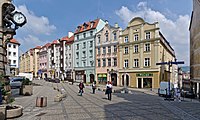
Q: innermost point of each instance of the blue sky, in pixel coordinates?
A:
(52, 19)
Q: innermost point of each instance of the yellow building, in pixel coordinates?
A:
(29, 61)
(141, 46)
(195, 47)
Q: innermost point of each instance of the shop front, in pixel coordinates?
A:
(144, 80)
(80, 76)
(102, 78)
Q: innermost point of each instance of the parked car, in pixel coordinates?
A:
(164, 88)
(16, 82)
(187, 94)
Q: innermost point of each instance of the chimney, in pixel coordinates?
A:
(116, 25)
(106, 21)
(70, 34)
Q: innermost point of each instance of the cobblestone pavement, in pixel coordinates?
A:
(135, 106)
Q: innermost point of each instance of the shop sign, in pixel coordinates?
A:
(144, 74)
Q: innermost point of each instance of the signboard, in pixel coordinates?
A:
(144, 74)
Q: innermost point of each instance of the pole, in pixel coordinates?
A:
(169, 81)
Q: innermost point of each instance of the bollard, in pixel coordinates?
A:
(41, 101)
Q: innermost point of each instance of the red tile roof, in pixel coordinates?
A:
(14, 41)
(37, 47)
(55, 42)
(46, 45)
(87, 26)
(70, 40)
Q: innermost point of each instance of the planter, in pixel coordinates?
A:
(26, 90)
(13, 111)
(2, 112)
(57, 98)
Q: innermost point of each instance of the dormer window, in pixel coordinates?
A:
(85, 26)
(79, 28)
(91, 24)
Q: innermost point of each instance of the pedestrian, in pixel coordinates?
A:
(109, 90)
(93, 87)
(179, 94)
(81, 86)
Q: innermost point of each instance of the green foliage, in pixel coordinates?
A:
(26, 81)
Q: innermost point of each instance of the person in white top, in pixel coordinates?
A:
(109, 90)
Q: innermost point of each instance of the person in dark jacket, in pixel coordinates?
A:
(93, 87)
(109, 90)
(81, 86)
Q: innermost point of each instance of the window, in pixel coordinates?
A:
(109, 49)
(126, 39)
(14, 46)
(136, 49)
(91, 43)
(91, 53)
(147, 47)
(109, 62)
(77, 55)
(9, 61)
(99, 51)
(77, 64)
(125, 63)
(77, 46)
(104, 62)
(70, 64)
(84, 35)
(99, 39)
(147, 62)
(115, 36)
(115, 61)
(14, 53)
(126, 50)
(99, 63)
(77, 37)
(83, 63)
(148, 35)
(9, 45)
(136, 37)
(84, 55)
(91, 63)
(104, 50)
(91, 33)
(84, 45)
(106, 37)
(69, 56)
(9, 53)
(115, 48)
(14, 61)
(136, 63)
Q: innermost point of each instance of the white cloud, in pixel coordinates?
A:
(30, 41)
(175, 31)
(36, 24)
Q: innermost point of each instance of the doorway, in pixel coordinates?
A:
(91, 78)
(139, 83)
(114, 79)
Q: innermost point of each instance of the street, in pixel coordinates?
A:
(135, 106)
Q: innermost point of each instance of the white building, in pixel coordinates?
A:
(13, 56)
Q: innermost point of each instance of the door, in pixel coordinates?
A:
(139, 83)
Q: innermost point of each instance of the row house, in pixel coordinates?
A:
(13, 56)
(54, 57)
(84, 50)
(43, 60)
(195, 48)
(66, 57)
(107, 41)
(142, 46)
(29, 61)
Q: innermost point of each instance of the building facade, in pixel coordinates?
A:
(84, 50)
(13, 56)
(142, 46)
(107, 41)
(195, 47)
(43, 60)
(55, 59)
(67, 56)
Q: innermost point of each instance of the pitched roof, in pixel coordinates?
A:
(55, 42)
(70, 40)
(46, 45)
(14, 41)
(37, 47)
(87, 26)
